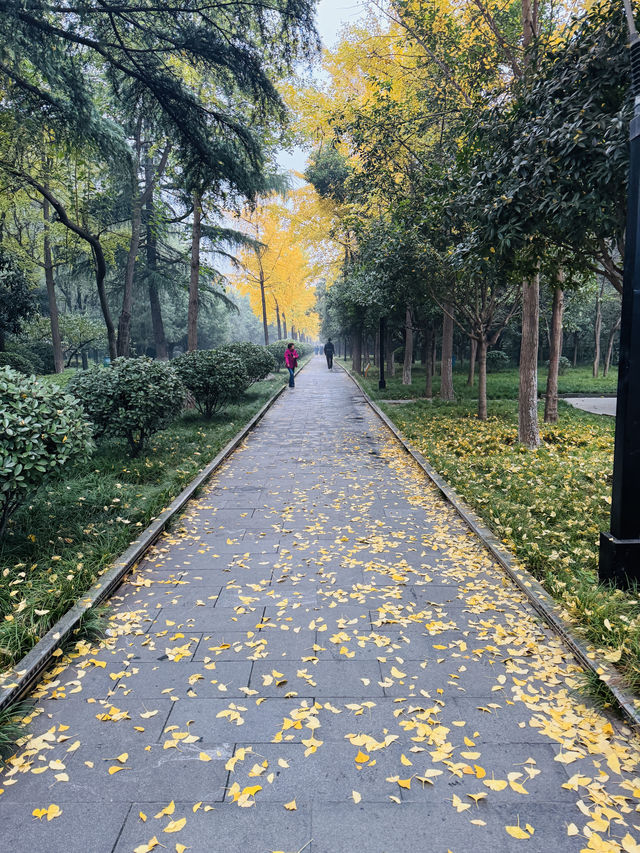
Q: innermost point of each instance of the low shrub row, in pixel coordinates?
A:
(45, 428)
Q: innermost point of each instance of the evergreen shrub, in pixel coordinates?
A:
(214, 377)
(42, 430)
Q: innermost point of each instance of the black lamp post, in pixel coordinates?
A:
(620, 549)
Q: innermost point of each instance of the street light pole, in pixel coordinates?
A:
(383, 333)
(620, 549)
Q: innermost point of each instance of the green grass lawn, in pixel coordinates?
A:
(548, 506)
(73, 529)
(502, 385)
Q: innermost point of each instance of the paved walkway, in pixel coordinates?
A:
(321, 658)
(595, 405)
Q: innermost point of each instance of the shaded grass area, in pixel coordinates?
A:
(73, 529)
(502, 385)
(548, 506)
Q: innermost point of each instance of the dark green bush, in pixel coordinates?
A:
(17, 361)
(257, 360)
(42, 431)
(215, 378)
(497, 361)
(132, 398)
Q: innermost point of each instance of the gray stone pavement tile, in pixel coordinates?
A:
(223, 645)
(77, 829)
(208, 618)
(116, 723)
(225, 829)
(260, 723)
(170, 678)
(329, 774)
(389, 828)
(148, 775)
(325, 678)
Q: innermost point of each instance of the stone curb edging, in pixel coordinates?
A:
(538, 597)
(18, 681)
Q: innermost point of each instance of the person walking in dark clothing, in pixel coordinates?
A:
(329, 350)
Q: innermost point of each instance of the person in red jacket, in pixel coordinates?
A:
(291, 360)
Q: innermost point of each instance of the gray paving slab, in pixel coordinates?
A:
(325, 606)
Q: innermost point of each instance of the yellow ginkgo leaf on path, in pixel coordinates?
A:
(175, 825)
(495, 784)
(572, 829)
(148, 847)
(629, 845)
(458, 805)
(405, 783)
(147, 714)
(113, 770)
(361, 757)
(196, 806)
(356, 796)
(282, 762)
(291, 807)
(396, 673)
(167, 810)
(142, 816)
(517, 832)
(204, 757)
(477, 797)
(180, 848)
(404, 760)
(478, 822)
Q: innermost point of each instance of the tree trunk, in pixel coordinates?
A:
(51, 289)
(408, 347)
(610, 342)
(472, 362)
(575, 349)
(376, 349)
(124, 323)
(555, 351)
(265, 325)
(481, 346)
(597, 329)
(528, 433)
(284, 326)
(356, 351)
(152, 271)
(194, 277)
(446, 367)
(278, 319)
(428, 364)
(391, 362)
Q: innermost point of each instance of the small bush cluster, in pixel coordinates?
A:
(257, 361)
(132, 398)
(42, 431)
(215, 378)
(18, 362)
(497, 361)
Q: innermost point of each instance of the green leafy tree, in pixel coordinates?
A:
(17, 298)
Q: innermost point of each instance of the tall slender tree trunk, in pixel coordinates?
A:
(194, 277)
(597, 330)
(555, 351)
(157, 323)
(408, 347)
(263, 299)
(284, 326)
(472, 362)
(575, 349)
(356, 350)
(124, 323)
(610, 342)
(482, 376)
(528, 432)
(51, 289)
(278, 319)
(376, 349)
(428, 363)
(446, 367)
(391, 362)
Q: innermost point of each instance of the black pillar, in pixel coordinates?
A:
(383, 333)
(620, 549)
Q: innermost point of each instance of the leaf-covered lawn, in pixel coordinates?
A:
(548, 506)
